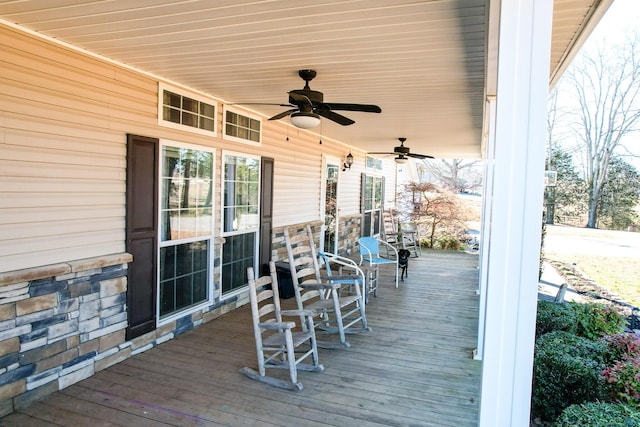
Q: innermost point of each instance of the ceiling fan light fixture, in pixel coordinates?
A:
(401, 160)
(305, 120)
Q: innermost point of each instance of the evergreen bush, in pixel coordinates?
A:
(567, 369)
(597, 414)
(595, 321)
(589, 320)
(449, 243)
(555, 317)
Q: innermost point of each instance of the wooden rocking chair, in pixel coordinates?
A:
(276, 341)
(319, 293)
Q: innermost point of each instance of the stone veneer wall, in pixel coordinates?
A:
(349, 233)
(278, 246)
(61, 323)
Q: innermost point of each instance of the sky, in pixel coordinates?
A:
(621, 16)
(621, 13)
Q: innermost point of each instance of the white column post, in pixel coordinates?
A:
(516, 211)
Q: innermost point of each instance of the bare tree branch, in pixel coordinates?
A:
(605, 85)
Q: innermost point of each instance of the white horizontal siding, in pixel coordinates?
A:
(64, 119)
(62, 156)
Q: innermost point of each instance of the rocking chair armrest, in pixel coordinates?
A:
(319, 286)
(277, 325)
(345, 277)
(298, 313)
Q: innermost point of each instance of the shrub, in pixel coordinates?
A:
(449, 243)
(589, 320)
(566, 370)
(555, 317)
(595, 414)
(623, 381)
(597, 320)
(622, 374)
(622, 346)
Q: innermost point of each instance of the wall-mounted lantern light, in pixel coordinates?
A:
(348, 161)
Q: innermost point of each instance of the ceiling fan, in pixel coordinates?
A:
(403, 153)
(308, 105)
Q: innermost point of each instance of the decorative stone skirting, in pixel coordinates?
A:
(349, 231)
(348, 235)
(278, 247)
(59, 324)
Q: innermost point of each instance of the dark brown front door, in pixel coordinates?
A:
(142, 233)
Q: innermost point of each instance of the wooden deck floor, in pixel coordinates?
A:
(414, 369)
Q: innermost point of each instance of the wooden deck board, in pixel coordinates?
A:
(413, 368)
(54, 415)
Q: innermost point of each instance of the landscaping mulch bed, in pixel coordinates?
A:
(589, 289)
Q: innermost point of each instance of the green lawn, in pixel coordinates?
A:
(618, 273)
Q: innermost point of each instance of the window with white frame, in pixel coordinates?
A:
(186, 229)
(240, 218)
(186, 111)
(241, 127)
(371, 203)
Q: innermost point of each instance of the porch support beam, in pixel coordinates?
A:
(515, 212)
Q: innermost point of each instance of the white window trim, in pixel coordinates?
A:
(329, 160)
(165, 123)
(226, 108)
(222, 296)
(377, 166)
(210, 285)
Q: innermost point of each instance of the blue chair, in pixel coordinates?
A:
(370, 253)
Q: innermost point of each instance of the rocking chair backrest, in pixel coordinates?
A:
(280, 345)
(315, 292)
(302, 255)
(263, 289)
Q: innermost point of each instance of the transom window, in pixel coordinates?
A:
(373, 163)
(186, 111)
(186, 229)
(241, 128)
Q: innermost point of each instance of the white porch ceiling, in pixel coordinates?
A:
(423, 62)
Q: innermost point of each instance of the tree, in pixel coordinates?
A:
(438, 211)
(620, 196)
(605, 85)
(568, 197)
(455, 175)
(570, 192)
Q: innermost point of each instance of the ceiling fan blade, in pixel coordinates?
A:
(338, 118)
(262, 103)
(366, 108)
(382, 153)
(419, 156)
(283, 114)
